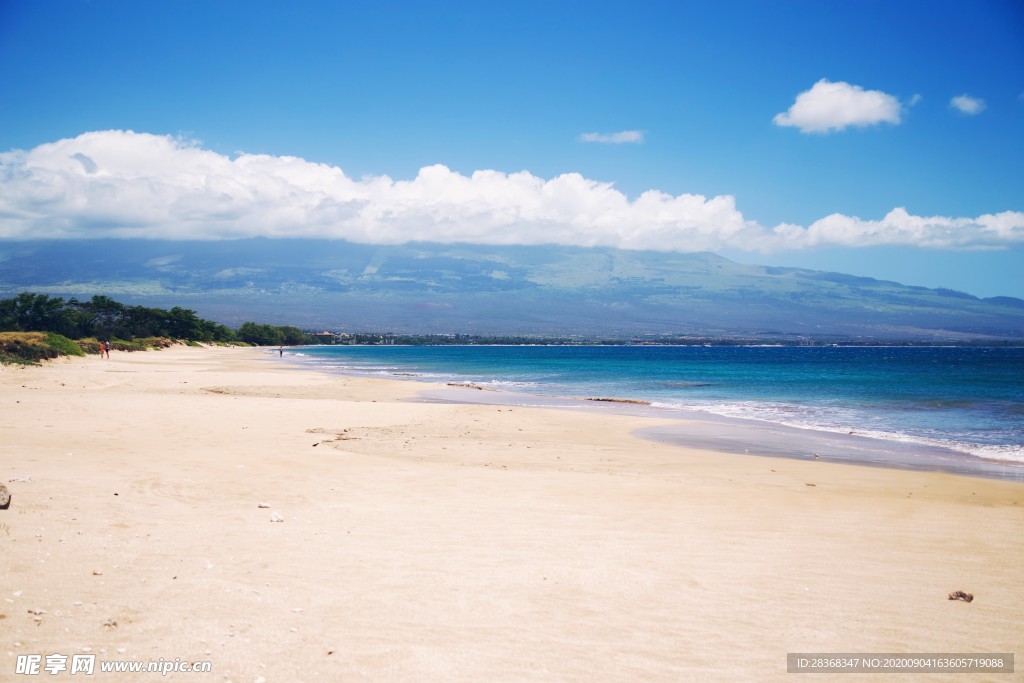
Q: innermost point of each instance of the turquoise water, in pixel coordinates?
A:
(966, 401)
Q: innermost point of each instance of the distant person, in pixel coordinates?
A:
(106, 348)
(280, 351)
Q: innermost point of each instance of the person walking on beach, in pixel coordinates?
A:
(280, 351)
(105, 347)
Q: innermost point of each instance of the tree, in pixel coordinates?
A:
(272, 335)
(260, 335)
(293, 336)
(30, 312)
(106, 317)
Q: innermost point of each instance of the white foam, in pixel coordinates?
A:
(839, 421)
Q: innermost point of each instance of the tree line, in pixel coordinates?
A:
(103, 318)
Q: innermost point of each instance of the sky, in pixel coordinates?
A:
(878, 138)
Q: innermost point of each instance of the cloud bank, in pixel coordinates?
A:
(121, 184)
(829, 106)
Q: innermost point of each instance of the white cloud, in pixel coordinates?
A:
(149, 186)
(631, 136)
(900, 228)
(829, 106)
(966, 104)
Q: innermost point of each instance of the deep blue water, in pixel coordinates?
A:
(969, 400)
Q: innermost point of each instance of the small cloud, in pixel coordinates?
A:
(623, 136)
(965, 104)
(829, 106)
(162, 262)
(233, 273)
(915, 99)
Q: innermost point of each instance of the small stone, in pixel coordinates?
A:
(5, 497)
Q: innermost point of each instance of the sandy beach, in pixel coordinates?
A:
(456, 542)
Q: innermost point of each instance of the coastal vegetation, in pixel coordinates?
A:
(27, 348)
(35, 327)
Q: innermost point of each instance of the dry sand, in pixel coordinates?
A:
(426, 542)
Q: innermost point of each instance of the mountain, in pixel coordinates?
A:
(438, 288)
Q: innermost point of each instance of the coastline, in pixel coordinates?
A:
(739, 436)
(459, 541)
(706, 429)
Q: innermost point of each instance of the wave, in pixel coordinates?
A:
(839, 421)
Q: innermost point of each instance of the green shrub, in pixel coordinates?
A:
(9, 359)
(22, 347)
(62, 345)
(89, 345)
(33, 347)
(156, 342)
(122, 345)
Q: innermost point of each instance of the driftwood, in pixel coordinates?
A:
(620, 400)
(960, 595)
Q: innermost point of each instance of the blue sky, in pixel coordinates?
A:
(827, 135)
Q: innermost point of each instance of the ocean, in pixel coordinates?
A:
(957, 409)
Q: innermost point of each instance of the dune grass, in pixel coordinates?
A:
(30, 348)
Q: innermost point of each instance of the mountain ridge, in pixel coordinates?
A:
(428, 288)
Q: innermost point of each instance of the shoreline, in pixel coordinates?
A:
(745, 436)
(458, 541)
(707, 430)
